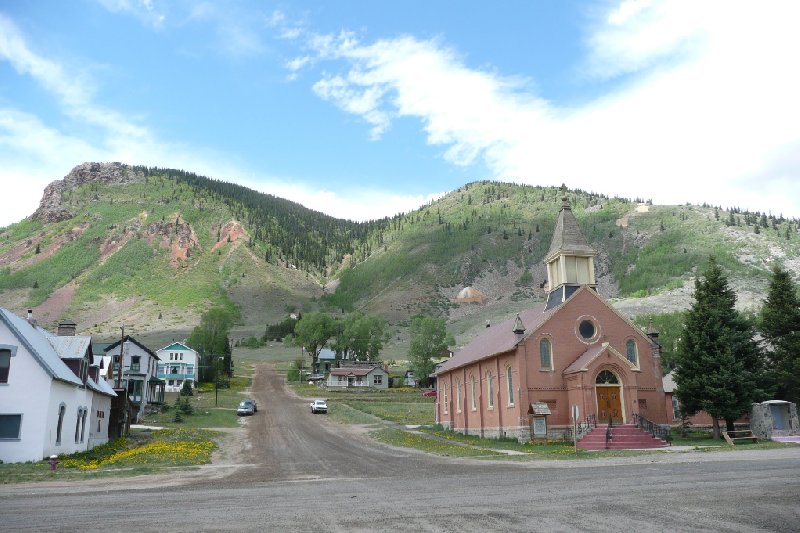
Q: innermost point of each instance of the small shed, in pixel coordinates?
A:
(775, 420)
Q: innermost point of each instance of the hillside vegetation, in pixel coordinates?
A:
(153, 248)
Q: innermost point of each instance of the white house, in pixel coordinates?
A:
(177, 363)
(373, 377)
(139, 369)
(46, 402)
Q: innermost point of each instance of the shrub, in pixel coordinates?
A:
(186, 390)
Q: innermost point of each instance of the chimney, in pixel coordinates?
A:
(519, 328)
(30, 317)
(66, 328)
(488, 325)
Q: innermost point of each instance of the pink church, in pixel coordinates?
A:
(575, 349)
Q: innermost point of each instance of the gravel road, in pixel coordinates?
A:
(300, 472)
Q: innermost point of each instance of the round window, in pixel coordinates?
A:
(586, 329)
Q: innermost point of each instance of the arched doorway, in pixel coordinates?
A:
(608, 391)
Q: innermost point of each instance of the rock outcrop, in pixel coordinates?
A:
(52, 209)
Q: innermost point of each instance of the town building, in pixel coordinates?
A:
(354, 375)
(53, 400)
(572, 352)
(138, 374)
(177, 363)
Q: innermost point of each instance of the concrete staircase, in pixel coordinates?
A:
(623, 437)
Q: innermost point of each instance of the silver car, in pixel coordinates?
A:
(319, 406)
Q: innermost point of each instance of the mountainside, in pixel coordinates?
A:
(152, 248)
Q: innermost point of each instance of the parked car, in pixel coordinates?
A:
(319, 406)
(429, 393)
(246, 408)
(255, 406)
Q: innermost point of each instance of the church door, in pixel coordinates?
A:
(609, 401)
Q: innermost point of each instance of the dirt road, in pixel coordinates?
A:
(303, 473)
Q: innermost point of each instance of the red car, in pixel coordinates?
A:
(429, 393)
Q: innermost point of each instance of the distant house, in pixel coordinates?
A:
(52, 399)
(139, 371)
(409, 380)
(326, 360)
(177, 363)
(371, 377)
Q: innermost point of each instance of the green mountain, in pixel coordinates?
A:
(152, 248)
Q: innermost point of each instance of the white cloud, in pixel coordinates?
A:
(709, 110)
(359, 204)
(144, 10)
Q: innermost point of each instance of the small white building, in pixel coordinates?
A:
(46, 402)
(372, 377)
(177, 363)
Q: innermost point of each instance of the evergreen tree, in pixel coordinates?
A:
(779, 323)
(719, 366)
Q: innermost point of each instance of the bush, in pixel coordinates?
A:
(185, 407)
(186, 390)
(178, 416)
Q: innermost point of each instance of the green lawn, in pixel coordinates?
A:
(398, 412)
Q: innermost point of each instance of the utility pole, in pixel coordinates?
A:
(121, 359)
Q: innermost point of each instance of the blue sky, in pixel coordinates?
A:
(362, 109)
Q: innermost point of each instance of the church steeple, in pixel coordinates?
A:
(570, 261)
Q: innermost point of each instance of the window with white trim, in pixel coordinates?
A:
(78, 425)
(458, 395)
(377, 379)
(473, 395)
(83, 423)
(5, 365)
(10, 426)
(61, 410)
(490, 390)
(510, 385)
(631, 352)
(545, 354)
(444, 396)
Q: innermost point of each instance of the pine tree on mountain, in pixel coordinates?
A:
(719, 366)
(779, 323)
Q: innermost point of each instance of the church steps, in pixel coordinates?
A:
(623, 437)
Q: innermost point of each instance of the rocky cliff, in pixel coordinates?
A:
(51, 208)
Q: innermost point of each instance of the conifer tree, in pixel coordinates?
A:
(719, 366)
(779, 323)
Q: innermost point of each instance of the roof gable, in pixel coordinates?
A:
(128, 338)
(581, 364)
(176, 346)
(36, 342)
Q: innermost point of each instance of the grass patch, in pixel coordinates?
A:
(344, 414)
(138, 453)
(397, 437)
(398, 412)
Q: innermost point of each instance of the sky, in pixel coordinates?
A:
(363, 109)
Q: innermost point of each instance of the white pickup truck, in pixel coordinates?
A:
(319, 406)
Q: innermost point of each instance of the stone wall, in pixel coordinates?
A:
(762, 422)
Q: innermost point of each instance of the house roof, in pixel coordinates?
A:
(36, 341)
(497, 339)
(326, 354)
(71, 347)
(101, 386)
(176, 346)
(354, 370)
(567, 236)
(128, 338)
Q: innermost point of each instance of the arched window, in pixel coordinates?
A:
(61, 410)
(606, 377)
(444, 396)
(83, 423)
(78, 425)
(510, 385)
(632, 353)
(458, 395)
(490, 389)
(474, 404)
(545, 354)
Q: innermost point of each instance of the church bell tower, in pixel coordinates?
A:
(570, 260)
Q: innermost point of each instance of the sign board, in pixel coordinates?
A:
(539, 427)
(539, 408)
